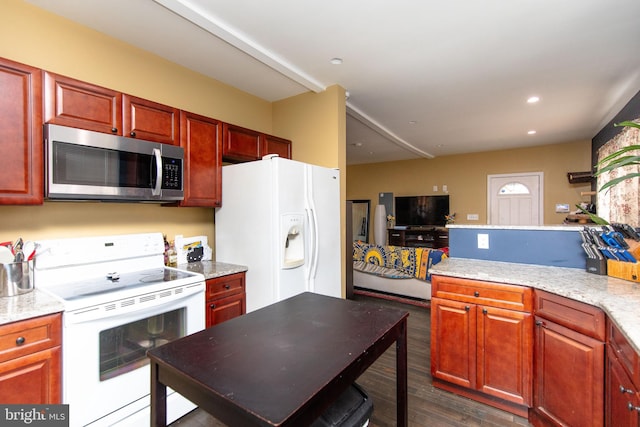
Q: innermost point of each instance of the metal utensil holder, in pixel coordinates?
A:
(16, 278)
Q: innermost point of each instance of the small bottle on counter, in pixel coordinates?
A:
(166, 250)
(172, 255)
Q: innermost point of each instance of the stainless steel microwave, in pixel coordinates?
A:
(86, 165)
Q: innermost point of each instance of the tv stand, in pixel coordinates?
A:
(419, 237)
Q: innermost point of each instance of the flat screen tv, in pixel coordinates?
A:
(421, 211)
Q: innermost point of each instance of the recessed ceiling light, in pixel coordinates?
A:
(336, 61)
(532, 132)
(533, 99)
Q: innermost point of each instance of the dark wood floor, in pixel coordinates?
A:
(428, 406)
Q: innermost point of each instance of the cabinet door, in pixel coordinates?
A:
(21, 167)
(623, 403)
(505, 343)
(200, 138)
(33, 379)
(224, 309)
(275, 145)
(150, 121)
(569, 376)
(70, 102)
(396, 237)
(240, 144)
(453, 342)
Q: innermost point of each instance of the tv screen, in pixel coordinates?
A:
(420, 211)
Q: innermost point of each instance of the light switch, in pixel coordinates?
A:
(445, 188)
(435, 188)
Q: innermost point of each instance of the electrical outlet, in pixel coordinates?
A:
(483, 241)
(435, 188)
(445, 188)
(472, 217)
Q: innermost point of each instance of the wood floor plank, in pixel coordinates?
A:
(428, 406)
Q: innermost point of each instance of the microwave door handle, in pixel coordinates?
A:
(155, 191)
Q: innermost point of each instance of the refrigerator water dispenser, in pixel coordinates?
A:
(292, 240)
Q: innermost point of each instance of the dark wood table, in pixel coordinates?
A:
(282, 365)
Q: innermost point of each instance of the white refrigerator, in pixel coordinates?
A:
(281, 219)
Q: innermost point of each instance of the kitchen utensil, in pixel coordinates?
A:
(29, 250)
(6, 256)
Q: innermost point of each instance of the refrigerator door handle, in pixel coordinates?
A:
(313, 246)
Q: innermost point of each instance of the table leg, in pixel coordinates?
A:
(401, 377)
(158, 398)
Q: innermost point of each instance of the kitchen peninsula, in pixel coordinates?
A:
(516, 335)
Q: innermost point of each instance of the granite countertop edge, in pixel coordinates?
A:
(213, 269)
(619, 299)
(39, 303)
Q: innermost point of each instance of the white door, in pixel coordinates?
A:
(515, 199)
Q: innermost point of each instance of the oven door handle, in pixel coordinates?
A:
(157, 189)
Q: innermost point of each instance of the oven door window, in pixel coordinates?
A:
(124, 348)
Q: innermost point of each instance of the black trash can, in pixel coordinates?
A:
(352, 409)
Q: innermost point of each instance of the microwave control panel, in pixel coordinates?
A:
(172, 174)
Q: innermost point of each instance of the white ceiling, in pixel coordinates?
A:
(425, 78)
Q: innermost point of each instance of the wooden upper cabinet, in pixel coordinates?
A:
(150, 121)
(70, 102)
(201, 140)
(240, 144)
(275, 145)
(21, 167)
(74, 103)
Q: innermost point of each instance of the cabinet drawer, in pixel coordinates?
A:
(492, 294)
(28, 336)
(626, 354)
(580, 317)
(225, 286)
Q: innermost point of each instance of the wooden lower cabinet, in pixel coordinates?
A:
(622, 396)
(623, 381)
(479, 350)
(30, 361)
(225, 298)
(568, 363)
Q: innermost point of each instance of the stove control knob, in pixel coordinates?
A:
(113, 276)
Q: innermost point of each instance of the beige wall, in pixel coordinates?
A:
(33, 36)
(466, 178)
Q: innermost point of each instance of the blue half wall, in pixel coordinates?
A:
(547, 245)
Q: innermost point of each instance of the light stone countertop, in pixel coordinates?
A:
(212, 269)
(39, 303)
(619, 299)
(33, 304)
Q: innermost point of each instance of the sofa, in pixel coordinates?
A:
(394, 270)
